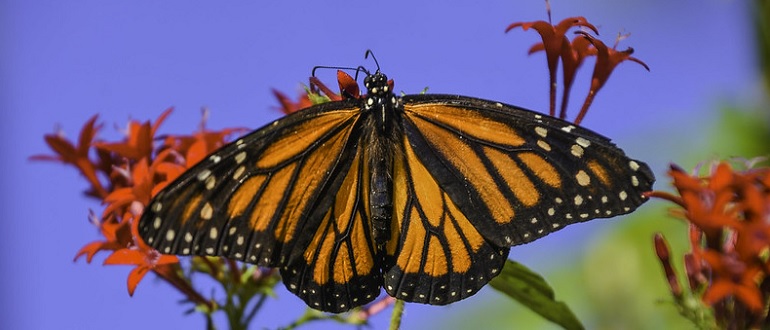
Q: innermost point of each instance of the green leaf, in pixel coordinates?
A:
(531, 290)
(316, 98)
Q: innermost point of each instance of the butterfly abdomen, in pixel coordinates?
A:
(381, 202)
(382, 130)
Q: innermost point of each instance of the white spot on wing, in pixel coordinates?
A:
(211, 182)
(582, 178)
(240, 157)
(207, 211)
(239, 172)
(577, 150)
(544, 145)
(203, 175)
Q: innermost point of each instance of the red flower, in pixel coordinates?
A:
(134, 177)
(144, 262)
(705, 202)
(728, 212)
(318, 93)
(141, 256)
(349, 86)
(139, 139)
(572, 57)
(77, 156)
(732, 277)
(555, 44)
(288, 106)
(117, 234)
(606, 61)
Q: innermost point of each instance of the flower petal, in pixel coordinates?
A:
(135, 277)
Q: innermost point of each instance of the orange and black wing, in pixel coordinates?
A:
(288, 195)
(481, 176)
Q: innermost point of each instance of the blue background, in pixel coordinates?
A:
(63, 61)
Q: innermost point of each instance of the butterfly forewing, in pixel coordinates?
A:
(244, 201)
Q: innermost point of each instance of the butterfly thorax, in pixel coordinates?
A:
(382, 130)
(379, 100)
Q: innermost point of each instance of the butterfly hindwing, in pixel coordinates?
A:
(339, 267)
(435, 254)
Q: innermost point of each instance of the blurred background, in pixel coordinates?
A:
(63, 61)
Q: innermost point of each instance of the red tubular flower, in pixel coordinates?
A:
(606, 61)
(664, 255)
(348, 89)
(139, 139)
(729, 212)
(732, 277)
(144, 260)
(137, 168)
(117, 234)
(140, 190)
(288, 106)
(573, 56)
(77, 156)
(555, 44)
(319, 93)
(348, 86)
(705, 203)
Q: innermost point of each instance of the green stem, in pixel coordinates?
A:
(255, 309)
(398, 311)
(210, 322)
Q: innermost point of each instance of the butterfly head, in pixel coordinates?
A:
(377, 84)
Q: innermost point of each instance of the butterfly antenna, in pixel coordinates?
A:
(370, 52)
(312, 73)
(361, 68)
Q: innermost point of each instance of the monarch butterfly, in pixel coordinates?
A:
(420, 194)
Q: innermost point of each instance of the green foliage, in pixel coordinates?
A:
(741, 132)
(531, 290)
(762, 24)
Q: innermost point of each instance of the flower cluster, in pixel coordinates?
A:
(728, 212)
(572, 55)
(125, 175)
